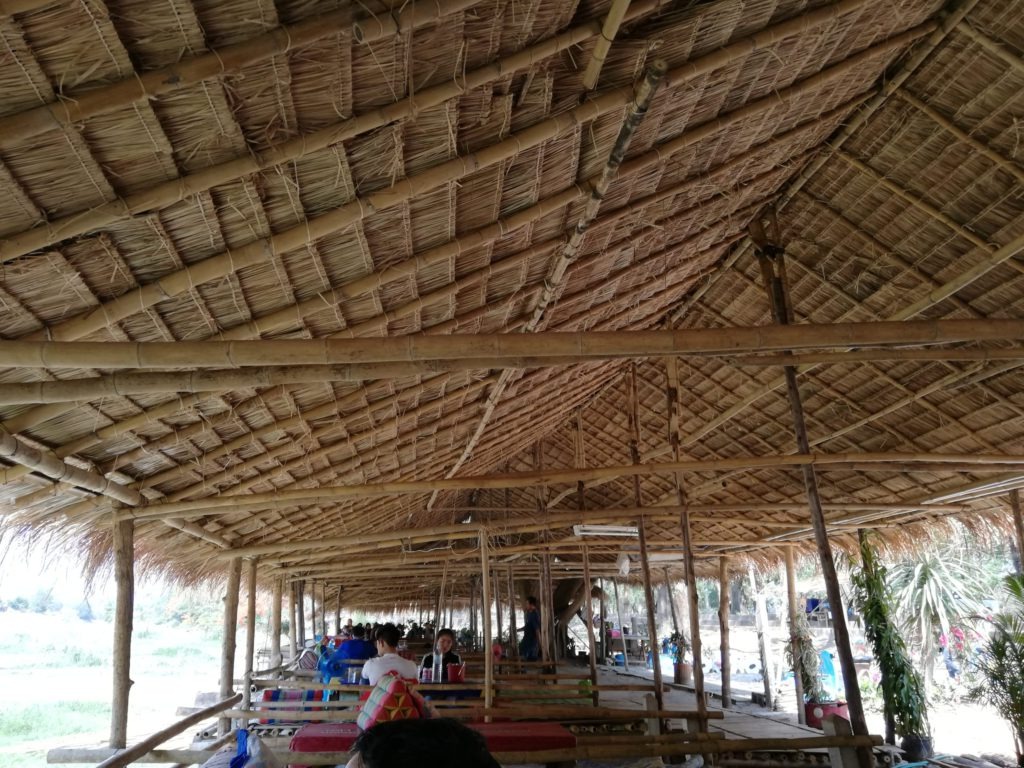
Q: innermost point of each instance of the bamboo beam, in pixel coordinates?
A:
(1009, 58)
(1003, 163)
(124, 578)
(723, 628)
(285, 498)
(45, 463)
(771, 259)
(612, 21)
(379, 26)
(581, 346)
(852, 357)
(125, 384)
(227, 656)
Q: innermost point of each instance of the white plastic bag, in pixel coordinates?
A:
(260, 755)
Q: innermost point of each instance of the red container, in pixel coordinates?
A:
(456, 673)
(817, 711)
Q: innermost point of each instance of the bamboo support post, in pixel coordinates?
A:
(250, 634)
(275, 623)
(547, 622)
(763, 641)
(300, 601)
(589, 615)
(723, 625)
(337, 614)
(772, 262)
(622, 632)
(675, 430)
(794, 638)
(45, 463)
(498, 612)
(293, 621)
(1018, 525)
(611, 28)
(604, 622)
(124, 577)
(485, 572)
(513, 632)
(227, 656)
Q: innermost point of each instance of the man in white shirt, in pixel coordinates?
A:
(387, 659)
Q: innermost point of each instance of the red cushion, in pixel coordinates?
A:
(525, 737)
(501, 737)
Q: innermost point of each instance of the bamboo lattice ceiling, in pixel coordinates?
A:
(187, 171)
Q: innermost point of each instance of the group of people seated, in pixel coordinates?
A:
(376, 657)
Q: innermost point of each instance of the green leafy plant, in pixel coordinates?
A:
(903, 695)
(1001, 662)
(808, 661)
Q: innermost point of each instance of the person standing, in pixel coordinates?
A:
(529, 646)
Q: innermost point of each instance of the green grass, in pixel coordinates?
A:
(41, 721)
(175, 651)
(24, 759)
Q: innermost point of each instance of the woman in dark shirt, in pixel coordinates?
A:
(444, 645)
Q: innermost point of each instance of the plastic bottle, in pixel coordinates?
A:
(437, 667)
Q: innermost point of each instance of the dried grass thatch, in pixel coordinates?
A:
(246, 170)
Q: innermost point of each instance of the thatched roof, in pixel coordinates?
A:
(244, 169)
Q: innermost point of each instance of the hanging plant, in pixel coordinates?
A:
(809, 661)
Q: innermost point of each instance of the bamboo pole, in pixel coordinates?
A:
(723, 624)
(597, 57)
(547, 623)
(675, 430)
(604, 623)
(128, 756)
(1018, 525)
(275, 623)
(227, 656)
(577, 346)
(498, 613)
(300, 593)
(591, 642)
(772, 262)
(485, 572)
(513, 632)
(794, 638)
(622, 632)
(645, 565)
(763, 642)
(984, 41)
(124, 578)
(951, 354)
(49, 465)
(250, 634)
(293, 621)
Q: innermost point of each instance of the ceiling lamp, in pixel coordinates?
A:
(627, 531)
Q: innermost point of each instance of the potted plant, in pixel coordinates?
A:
(1001, 662)
(818, 703)
(903, 694)
(682, 669)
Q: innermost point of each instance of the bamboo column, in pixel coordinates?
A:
(1018, 524)
(645, 566)
(124, 576)
(496, 596)
(250, 634)
(337, 614)
(590, 623)
(604, 633)
(275, 624)
(227, 656)
(513, 632)
(794, 639)
(485, 571)
(772, 261)
(672, 394)
(323, 608)
(763, 642)
(723, 627)
(300, 603)
(547, 623)
(439, 613)
(622, 634)
(672, 604)
(292, 624)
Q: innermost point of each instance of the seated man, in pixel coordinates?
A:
(445, 643)
(352, 654)
(388, 660)
(403, 743)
